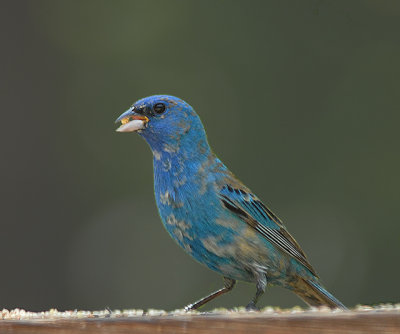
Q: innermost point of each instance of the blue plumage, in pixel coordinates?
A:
(210, 213)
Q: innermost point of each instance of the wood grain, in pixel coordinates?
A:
(229, 323)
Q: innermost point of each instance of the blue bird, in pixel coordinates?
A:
(211, 214)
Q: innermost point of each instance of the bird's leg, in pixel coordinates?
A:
(228, 286)
(261, 285)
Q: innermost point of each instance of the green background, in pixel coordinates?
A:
(299, 98)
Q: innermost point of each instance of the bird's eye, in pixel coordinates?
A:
(159, 108)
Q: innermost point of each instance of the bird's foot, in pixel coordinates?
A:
(252, 307)
(189, 307)
(110, 312)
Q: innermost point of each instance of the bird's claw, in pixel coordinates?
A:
(188, 308)
(252, 307)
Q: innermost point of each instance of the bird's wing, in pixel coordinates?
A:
(248, 207)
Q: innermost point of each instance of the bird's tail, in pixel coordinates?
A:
(316, 295)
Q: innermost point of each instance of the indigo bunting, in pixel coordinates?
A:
(211, 214)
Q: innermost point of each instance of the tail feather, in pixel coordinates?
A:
(315, 295)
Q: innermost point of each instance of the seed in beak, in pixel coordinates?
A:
(125, 120)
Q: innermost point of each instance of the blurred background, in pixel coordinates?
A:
(299, 98)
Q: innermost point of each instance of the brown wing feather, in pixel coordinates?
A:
(279, 236)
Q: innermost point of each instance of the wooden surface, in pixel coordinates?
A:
(308, 322)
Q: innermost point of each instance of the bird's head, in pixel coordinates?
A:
(166, 122)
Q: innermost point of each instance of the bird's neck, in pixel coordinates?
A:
(177, 164)
(186, 145)
(180, 157)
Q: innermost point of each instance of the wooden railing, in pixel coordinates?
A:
(383, 319)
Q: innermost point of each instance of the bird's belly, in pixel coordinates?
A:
(235, 251)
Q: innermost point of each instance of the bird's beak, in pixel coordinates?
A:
(131, 121)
